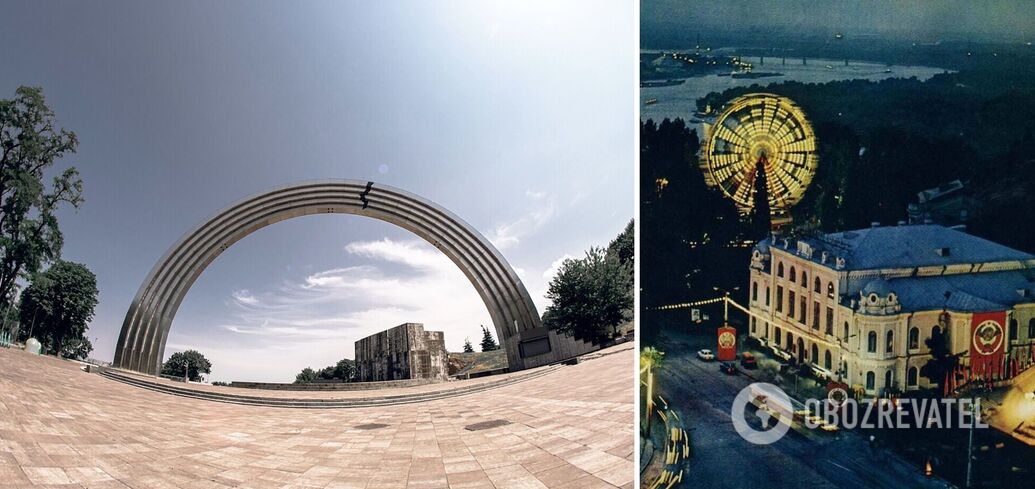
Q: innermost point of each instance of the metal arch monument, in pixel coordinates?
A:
(141, 345)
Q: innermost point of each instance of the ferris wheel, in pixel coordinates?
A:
(767, 130)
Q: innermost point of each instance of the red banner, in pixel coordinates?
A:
(987, 344)
(727, 343)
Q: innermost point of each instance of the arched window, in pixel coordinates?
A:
(1012, 333)
(817, 286)
(804, 279)
(845, 336)
(826, 359)
(830, 290)
(1031, 328)
(794, 275)
(871, 380)
(889, 342)
(754, 291)
(912, 376)
(815, 354)
(889, 380)
(914, 338)
(871, 342)
(779, 269)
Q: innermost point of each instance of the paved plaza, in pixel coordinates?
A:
(570, 428)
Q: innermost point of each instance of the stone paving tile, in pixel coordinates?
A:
(60, 427)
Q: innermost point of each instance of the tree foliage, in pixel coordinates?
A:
(57, 307)
(191, 361)
(590, 297)
(306, 376)
(624, 246)
(30, 143)
(468, 348)
(344, 370)
(488, 342)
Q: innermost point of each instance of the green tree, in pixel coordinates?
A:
(58, 304)
(590, 297)
(30, 144)
(467, 346)
(488, 342)
(345, 370)
(191, 361)
(651, 357)
(306, 376)
(624, 246)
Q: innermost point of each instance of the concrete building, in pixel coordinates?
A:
(405, 352)
(859, 305)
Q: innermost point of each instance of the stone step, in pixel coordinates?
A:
(388, 400)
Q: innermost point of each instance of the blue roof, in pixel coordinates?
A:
(969, 292)
(910, 246)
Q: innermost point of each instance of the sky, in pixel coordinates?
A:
(519, 117)
(997, 19)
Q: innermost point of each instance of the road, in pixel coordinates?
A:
(703, 397)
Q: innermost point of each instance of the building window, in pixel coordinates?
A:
(790, 303)
(845, 336)
(815, 315)
(889, 380)
(844, 369)
(818, 286)
(1031, 328)
(776, 337)
(767, 296)
(754, 324)
(871, 342)
(1012, 333)
(912, 376)
(794, 275)
(830, 290)
(889, 342)
(830, 320)
(871, 379)
(790, 341)
(779, 269)
(804, 307)
(815, 354)
(754, 292)
(804, 279)
(766, 329)
(779, 298)
(914, 338)
(826, 359)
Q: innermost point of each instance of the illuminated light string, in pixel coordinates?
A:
(686, 305)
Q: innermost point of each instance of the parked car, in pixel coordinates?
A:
(728, 368)
(705, 355)
(747, 360)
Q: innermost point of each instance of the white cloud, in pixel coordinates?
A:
(315, 320)
(555, 266)
(543, 210)
(243, 296)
